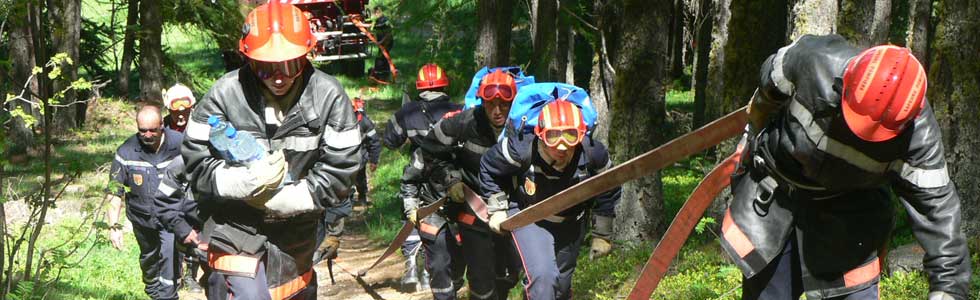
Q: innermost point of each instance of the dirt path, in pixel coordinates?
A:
(357, 252)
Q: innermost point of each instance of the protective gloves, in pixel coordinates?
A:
(456, 193)
(495, 219)
(601, 231)
(268, 172)
(289, 201)
(328, 249)
(412, 216)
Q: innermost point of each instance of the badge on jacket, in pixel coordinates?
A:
(138, 179)
(530, 187)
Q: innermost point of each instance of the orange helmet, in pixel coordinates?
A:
(884, 90)
(560, 123)
(275, 32)
(431, 76)
(498, 84)
(357, 103)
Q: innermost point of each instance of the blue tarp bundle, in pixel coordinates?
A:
(532, 97)
(519, 78)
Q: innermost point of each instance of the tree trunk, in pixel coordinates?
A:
(920, 30)
(639, 51)
(865, 23)
(810, 17)
(704, 21)
(65, 37)
(741, 42)
(22, 61)
(677, 41)
(560, 66)
(151, 52)
(543, 32)
(954, 91)
(129, 47)
(600, 86)
(493, 41)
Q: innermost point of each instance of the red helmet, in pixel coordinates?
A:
(498, 84)
(884, 90)
(560, 123)
(431, 76)
(357, 103)
(275, 32)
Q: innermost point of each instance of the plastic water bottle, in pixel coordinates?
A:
(217, 136)
(244, 147)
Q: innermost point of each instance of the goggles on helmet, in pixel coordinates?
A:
(177, 104)
(289, 69)
(501, 91)
(555, 136)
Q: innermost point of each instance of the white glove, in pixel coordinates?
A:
(938, 295)
(495, 220)
(268, 172)
(289, 201)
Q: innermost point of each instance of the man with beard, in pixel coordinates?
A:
(263, 238)
(138, 165)
(179, 99)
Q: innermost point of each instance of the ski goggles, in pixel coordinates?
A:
(289, 69)
(556, 136)
(501, 91)
(180, 103)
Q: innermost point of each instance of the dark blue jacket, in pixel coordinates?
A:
(514, 168)
(140, 171)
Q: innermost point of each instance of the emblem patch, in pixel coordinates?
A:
(530, 187)
(138, 179)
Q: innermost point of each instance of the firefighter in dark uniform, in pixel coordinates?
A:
(263, 238)
(832, 128)
(455, 147)
(526, 168)
(179, 99)
(334, 218)
(138, 165)
(410, 124)
(180, 214)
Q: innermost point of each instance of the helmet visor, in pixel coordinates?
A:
(497, 91)
(289, 69)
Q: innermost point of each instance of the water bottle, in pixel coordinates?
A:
(217, 136)
(244, 147)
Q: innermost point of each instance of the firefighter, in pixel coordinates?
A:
(455, 147)
(179, 100)
(382, 29)
(179, 214)
(263, 238)
(832, 128)
(411, 123)
(334, 217)
(556, 156)
(137, 165)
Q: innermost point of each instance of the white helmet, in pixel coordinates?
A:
(176, 92)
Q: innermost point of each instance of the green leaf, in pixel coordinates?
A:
(703, 224)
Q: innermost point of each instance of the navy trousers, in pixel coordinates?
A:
(549, 252)
(158, 262)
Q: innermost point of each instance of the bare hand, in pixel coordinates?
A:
(374, 167)
(116, 238)
(192, 238)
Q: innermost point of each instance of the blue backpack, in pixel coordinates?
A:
(519, 78)
(531, 98)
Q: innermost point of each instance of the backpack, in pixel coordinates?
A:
(523, 116)
(471, 100)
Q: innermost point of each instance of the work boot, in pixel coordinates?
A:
(190, 281)
(410, 280)
(423, 280)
